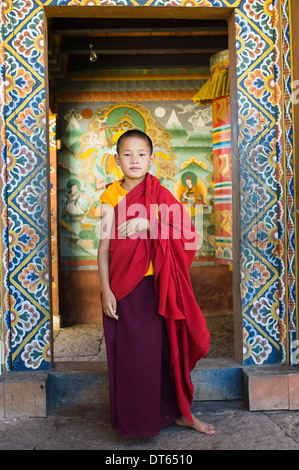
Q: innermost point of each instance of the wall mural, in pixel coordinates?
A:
(182, 137)
(266, 198)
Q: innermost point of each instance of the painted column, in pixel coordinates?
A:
(54, 228)
(222, 180)
(215, 92)
(222, 161)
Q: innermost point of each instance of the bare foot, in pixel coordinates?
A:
(198, 425)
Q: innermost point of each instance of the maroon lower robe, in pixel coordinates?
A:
(187, 333)
(142, 391)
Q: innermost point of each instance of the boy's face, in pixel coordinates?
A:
(134, 157)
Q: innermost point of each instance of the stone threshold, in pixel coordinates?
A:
(262, 388)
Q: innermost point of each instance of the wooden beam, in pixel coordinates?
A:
(215, 13)
(144, 45)
(82, 25)
(137, 32)
(138, 61)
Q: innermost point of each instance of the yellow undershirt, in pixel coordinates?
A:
(112, 196)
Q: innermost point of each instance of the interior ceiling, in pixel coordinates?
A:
(132, 43)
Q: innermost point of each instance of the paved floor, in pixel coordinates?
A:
(87, 427)
(86, 342)
(80, 343)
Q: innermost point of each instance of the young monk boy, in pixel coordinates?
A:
(154, 330)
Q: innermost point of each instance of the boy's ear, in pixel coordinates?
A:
(116, 158)
(152, 159)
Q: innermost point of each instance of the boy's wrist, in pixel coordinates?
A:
(105, 288)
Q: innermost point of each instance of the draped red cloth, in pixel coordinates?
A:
(171, 247)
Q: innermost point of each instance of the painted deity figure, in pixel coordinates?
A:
(73, 200)
(189, 194)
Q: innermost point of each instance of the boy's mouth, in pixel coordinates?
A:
(134, 168)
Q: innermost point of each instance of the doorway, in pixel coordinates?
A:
(161, 64)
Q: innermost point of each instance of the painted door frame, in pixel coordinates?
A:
(259, 270)
(226, 14)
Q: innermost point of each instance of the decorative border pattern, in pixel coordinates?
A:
(25, 322)
(286, 154)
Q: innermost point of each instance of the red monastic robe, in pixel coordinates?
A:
(188, 335)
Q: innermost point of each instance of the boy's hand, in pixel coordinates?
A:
(109, 304)
(133, 226)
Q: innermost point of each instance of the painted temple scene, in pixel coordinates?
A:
(86, 164)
